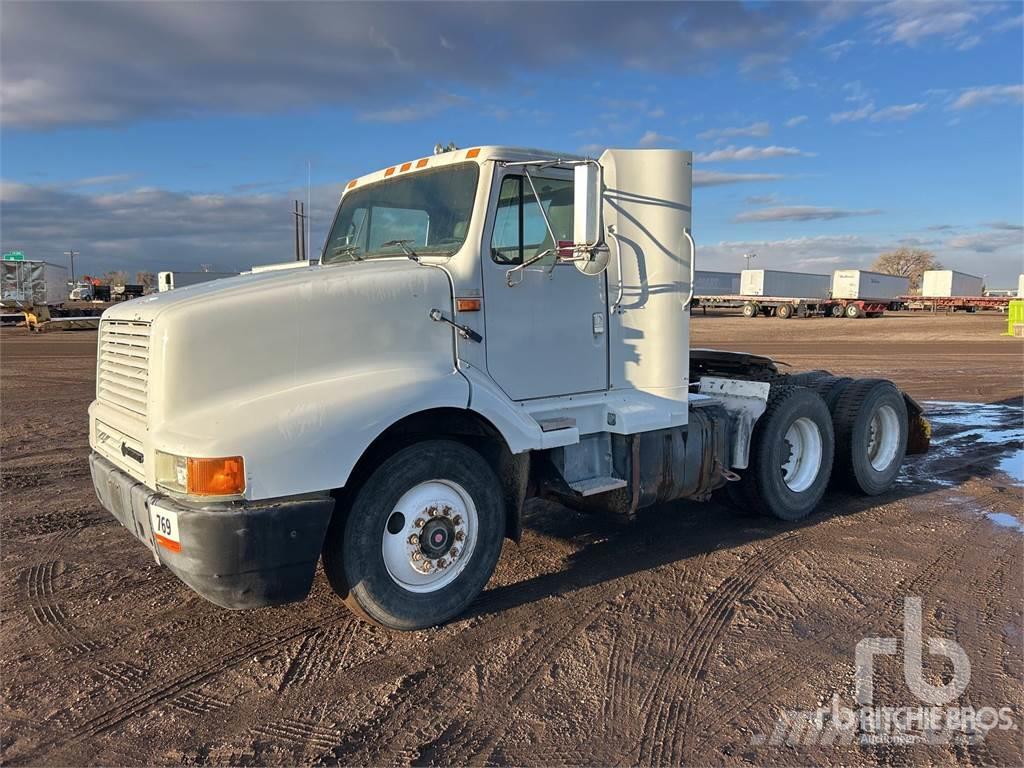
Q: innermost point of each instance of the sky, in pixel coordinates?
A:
(153, 136)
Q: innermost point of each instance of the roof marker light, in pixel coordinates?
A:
(421, 163)
(389, 171)
(405, 167)
(473, 152)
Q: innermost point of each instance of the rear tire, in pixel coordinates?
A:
(784, 312)
(870, 420)
(853, 311)
(750, 309)
(791, 453)
(837, 310)
(434, 490)
(829, 388)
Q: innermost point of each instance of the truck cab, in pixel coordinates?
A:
(485, 325)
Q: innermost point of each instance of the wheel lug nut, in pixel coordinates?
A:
(426, 565)
(416, 557)
(457, 519)
(414, 539)
(454, 552)
(447, 511)
(442, 563)
(420, 522)
(459, 535)
(432, 511)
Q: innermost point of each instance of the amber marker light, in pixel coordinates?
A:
(216, 477)
(473, 152)
(467, 305)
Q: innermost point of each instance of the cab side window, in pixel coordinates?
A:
(519, 230)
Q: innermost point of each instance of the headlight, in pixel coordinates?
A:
(200, 477)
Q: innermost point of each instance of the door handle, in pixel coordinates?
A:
(464, 330)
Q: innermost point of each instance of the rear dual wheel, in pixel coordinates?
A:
(870, 418)
(421, 538)
(790, 458)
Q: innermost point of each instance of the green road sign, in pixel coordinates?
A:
(14, 256)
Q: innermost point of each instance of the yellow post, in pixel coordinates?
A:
(1015, 318)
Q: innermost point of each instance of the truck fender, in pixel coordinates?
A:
(309, 438)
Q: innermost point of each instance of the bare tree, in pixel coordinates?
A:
(116, 277)
(147, 280)
(907, 262)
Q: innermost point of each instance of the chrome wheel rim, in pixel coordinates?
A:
(430, 535)
(801, 466)
(883, 438)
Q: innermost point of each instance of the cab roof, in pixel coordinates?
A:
(480, 154)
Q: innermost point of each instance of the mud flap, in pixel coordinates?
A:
(919, 430)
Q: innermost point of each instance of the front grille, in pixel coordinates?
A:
(123, 375)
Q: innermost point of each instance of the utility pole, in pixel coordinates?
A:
(748, 257)
(72, 254)
(300, 230)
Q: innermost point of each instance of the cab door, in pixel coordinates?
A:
(546, 334)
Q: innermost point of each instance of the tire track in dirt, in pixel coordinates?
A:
(747, 689)
(319, 655)
(673, 693)
(162, 691)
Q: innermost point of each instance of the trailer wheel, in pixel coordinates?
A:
(870, 421)
(785, 311)
(421, 539)
(836, 310)
(750, 309)
(853, 311)
(791, 454)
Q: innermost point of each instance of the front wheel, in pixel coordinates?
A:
(853, 311)
(791, 452)
(421, 539)
(785, 311)
(750, 309)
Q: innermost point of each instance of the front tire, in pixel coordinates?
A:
(791, 453)
(421, 538)
(871, 435)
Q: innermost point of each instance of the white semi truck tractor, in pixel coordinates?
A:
(486, 325)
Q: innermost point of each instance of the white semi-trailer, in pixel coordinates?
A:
(868, 286)
(775, 282)
(945, 283)
(710, 283)
(492, 324)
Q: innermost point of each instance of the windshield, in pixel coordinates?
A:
(426, 212)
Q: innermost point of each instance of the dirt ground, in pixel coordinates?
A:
(681, 639)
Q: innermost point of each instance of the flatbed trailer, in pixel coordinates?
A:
(956, 303)
(789, 306)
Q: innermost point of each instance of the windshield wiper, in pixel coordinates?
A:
(404, 245)
(347, 250)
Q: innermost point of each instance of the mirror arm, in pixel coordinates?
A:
(540, 206)
(524, 265)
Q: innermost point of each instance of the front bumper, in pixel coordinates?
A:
(240, 554)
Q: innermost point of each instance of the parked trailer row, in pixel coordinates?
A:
(795, 306)
(956, 303)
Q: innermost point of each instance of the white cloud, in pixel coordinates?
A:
(837, 50)
(720, 178)
(867, 111)
(1013, 22)
(754, 129)
(911, 22)
(989, 94)
(731, 153)
(990, 242)
(795, 121)
(412, 112)
(853, 115)
(801, 213)
(122, 62)
(655, 139)
(896, 112)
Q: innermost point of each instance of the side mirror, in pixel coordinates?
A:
(588, 242)
(586, 205)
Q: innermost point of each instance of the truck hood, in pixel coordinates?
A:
(219, 345)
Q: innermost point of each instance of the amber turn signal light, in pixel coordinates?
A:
(216, 477)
